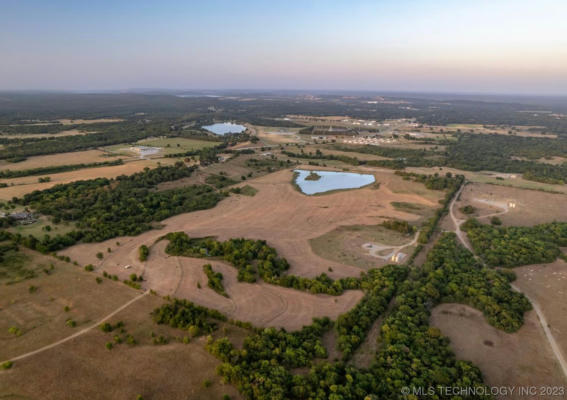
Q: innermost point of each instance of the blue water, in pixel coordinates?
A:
(331, 180)
(222, 128)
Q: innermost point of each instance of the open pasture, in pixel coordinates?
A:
(83, 368)
(173, 145)
(40, 316)
(346, 244)
(523, 358)
(512, 205)
(547, 285)
(284, 217)
(78, 157)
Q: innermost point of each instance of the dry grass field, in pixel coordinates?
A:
(547, 285)
(177, 145)
(28, 184)
(523, 358)
(344, 244)
(276, 135)
(78, 157)
(41, 315)
(512, 205)
(259, 303)
(279, 214)
(84, 369)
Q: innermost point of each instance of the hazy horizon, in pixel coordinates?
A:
(486, 47)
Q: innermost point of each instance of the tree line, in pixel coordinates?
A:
(516, 245)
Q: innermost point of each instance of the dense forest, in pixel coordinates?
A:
(516, 245)
(125, 206)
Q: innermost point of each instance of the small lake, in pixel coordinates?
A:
(331, 180)
(222, 128)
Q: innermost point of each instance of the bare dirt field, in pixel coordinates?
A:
(279, 214)
(79, 157)
(40, 316)
(523, 358)
(547, 285)
(512, 205)
(28, 184)
(84, 369)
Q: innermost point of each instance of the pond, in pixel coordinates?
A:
(222, 128)
(330, 180)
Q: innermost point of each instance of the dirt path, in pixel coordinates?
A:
(541, 318)
(81, 332)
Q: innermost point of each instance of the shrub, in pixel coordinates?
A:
(143, 252)
(495, 221)
(7, 365)
(14, 330)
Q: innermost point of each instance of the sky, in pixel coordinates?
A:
(480, 46)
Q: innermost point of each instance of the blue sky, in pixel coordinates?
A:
(498, 46)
